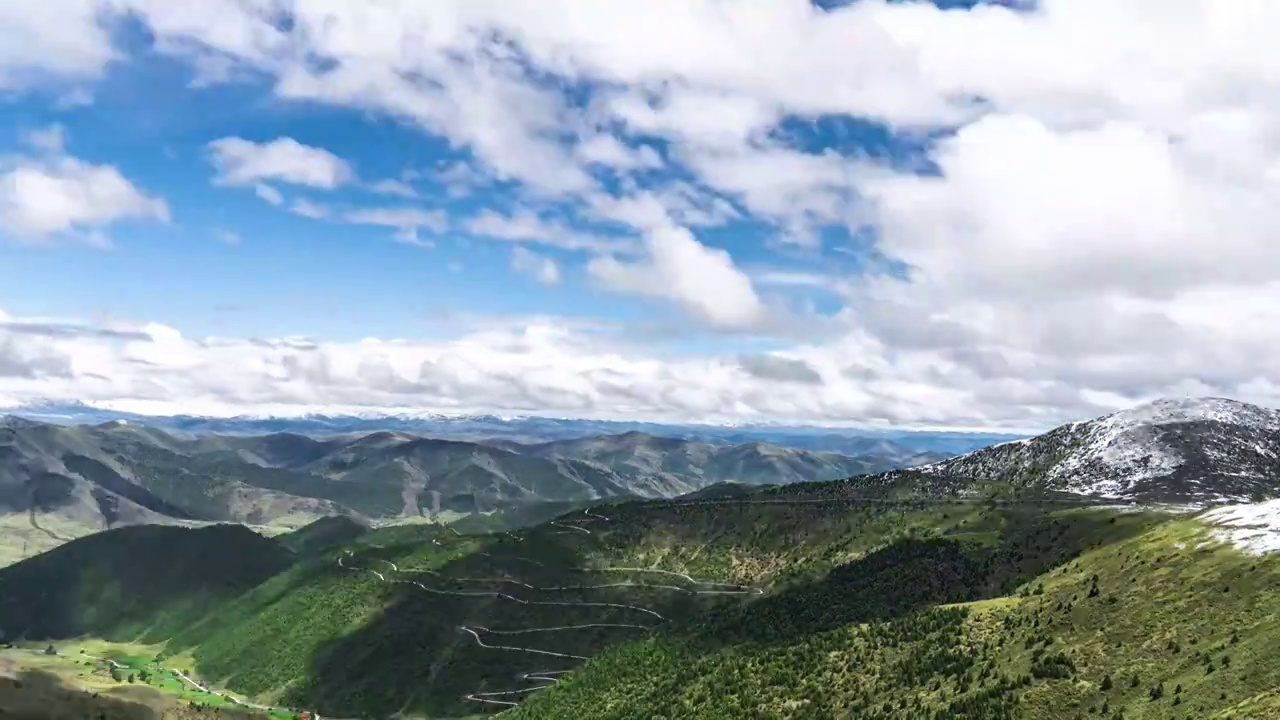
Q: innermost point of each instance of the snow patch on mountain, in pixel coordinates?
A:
(1254, 528)
(1116, 451)
(1201, 450)
(1124, 448)
(1176, 410)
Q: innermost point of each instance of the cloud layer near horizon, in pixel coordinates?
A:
(538, 366)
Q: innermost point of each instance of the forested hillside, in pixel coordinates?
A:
(1089, 614)
(146, 581)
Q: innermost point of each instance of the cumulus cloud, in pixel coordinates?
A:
(308, 209)
(244, 162)
(51, 139)
(540, 267)
(782, 369)
(391, 186)
(54, 195)
(545, 366)
(525, 225)
(609, 151)
(538, 366)
(701, 279)
(407, 221)
(1092, 214)
(60, 39)
(268, 194)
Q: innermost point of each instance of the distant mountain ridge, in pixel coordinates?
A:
(121, 473)
(533, 429)
(1193, 450)
(636, 455)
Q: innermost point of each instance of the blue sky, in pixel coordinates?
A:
(283, 274)
(229, 262)
(899, 213)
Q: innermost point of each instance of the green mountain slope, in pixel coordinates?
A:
(810, 600)
(142, 582)
(1154, 618)
(908, 609)
(322, 535)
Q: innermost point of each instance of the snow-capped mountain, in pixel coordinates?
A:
(902, 447)
(1196, 450)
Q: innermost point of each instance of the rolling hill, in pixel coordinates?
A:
(665, 467)
(322, 535)
(90, 477)
(134, 581)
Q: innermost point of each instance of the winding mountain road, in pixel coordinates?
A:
(570, 526)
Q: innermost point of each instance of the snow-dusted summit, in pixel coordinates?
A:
(1195, 450)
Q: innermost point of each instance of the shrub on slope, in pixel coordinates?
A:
(1169, 623)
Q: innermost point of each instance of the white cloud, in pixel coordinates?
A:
(400, 217)
(702, 280)
(609, 151)
(74, 98)
(407, 221)
(244, 162)
(525, 225)
(540, 366)
(536, 366)
(391, 186)
(51, 139)
(56, 195)
(409, 236)
(1104, 223)
(55, 38)
(268, 194)
(1021, 208)
(460, 179)
(540, 267)
(308, 209)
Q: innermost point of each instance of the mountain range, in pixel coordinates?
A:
(533, 429)
(1065, 576)
(121, 473)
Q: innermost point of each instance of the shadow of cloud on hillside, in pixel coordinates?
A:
(414, 657)
(893, 581)
(258, 599)
(143, 581)
(913, 574)
(38, 695)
